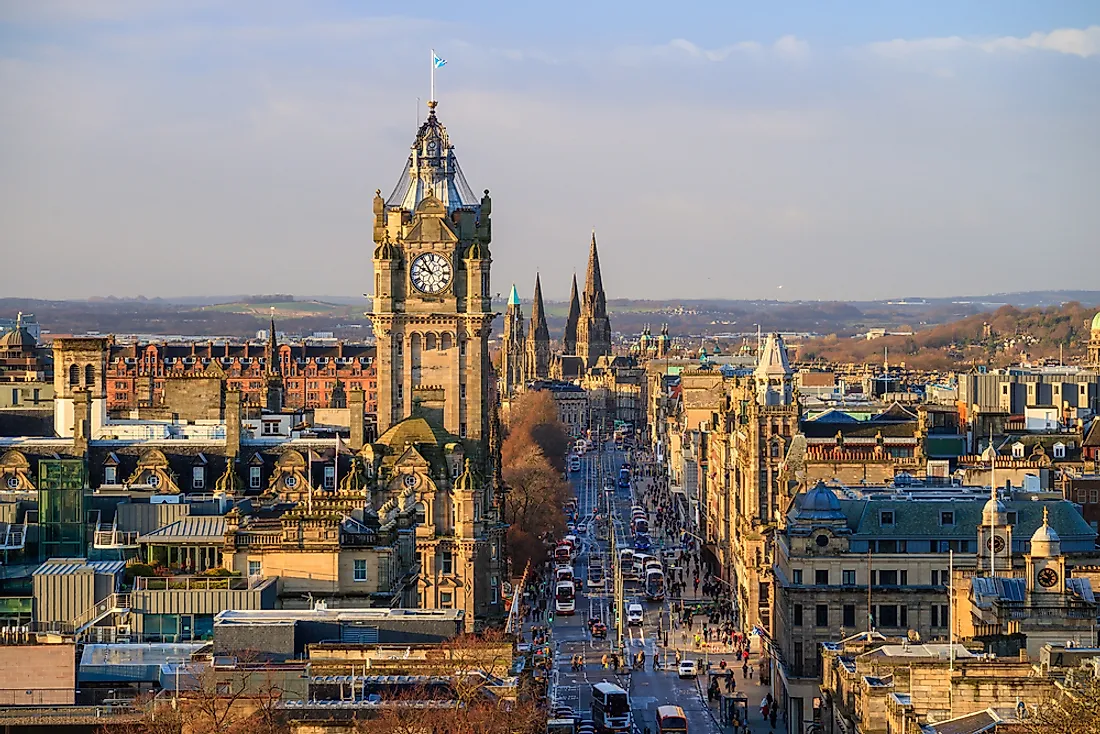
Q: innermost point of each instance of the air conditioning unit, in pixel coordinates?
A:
(123, 629)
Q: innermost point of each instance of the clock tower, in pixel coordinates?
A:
(1046, 566)
(995, 539)
(431, 312)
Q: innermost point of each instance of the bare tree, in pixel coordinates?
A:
(1074, 710)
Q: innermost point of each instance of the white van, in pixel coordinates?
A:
(634, 613)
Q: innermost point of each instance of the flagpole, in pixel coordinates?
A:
(309, 462)
(336, 465)
(432, 98)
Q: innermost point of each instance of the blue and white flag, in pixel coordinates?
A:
(438, 62)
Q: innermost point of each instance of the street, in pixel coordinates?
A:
(570, 636)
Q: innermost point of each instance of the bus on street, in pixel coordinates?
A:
(610, 708)
(671, 720)
(654, 584)
(565, 598)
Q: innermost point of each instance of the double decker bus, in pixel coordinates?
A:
(671, 720)
(654, 584)
(565, 598)
(610, 708)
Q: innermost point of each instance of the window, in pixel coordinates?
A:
(796, 577)
(74, 375)
(889, 546)
(1059, 450)
(445, 599)
(886, 517)
(330, 477)
(1094, 495)
(1013, 517)
(462, 391)
(848, 578)
(15, 396)
(359, 570)
(110, 475)
(849, 618)
(198, 477)
(448, 562)
(821, 577)
(887, 615)
(254, 477)
(797, 615)
(271, 428)
(255, 568)
(940, 616)
(1017, 450)
(462, 430)
(89, 376)
(887, 578)
(821, 615)
(947, 518)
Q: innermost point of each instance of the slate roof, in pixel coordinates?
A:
(198, 529)
(975, 723)
(67, 566)
(916, 519)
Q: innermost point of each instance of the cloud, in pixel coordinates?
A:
(1082, 42)
(790, 47)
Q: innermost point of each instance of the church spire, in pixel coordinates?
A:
(570, 341)
(539, 329)
(594, 328)
(538, 338)
(594, 299)
(271, 350)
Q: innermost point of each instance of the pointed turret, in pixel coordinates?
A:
(773, 373)
(538, 338)
(594, 328)
(271, 350)
(513, 346)
(569, 343)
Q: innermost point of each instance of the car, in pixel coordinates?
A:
(641, 543)
(688, 669)
(634, 613)
(582, 527)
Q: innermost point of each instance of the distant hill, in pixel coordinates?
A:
(998, 338)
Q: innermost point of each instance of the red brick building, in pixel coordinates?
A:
(309, 373)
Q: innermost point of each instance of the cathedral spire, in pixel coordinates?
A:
(570, 341)
(539, 329)
(594, 328)
(594, 299)
(538, 338)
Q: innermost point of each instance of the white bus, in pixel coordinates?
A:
(565, 598)
(610, 708)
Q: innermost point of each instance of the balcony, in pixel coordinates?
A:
(112, 539)
(198, 583)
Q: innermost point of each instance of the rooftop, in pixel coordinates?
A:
(289, 616)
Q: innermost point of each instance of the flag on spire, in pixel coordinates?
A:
(438, 62)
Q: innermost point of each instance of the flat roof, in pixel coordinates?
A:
(289, 616)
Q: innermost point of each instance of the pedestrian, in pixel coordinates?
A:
(745, 670)
(603, 660)
(773, 714)
(764, 709)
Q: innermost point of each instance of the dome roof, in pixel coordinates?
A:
(819, 503)
(1045, 542)
(18, 338)
(1096, 322)
(994, 512)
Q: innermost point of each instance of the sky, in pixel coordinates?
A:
(794, 150)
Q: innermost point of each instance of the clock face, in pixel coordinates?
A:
(1047, 578)
(430, 273)
(432, 146)
(409, 480)
(997, 543)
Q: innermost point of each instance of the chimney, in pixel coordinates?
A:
(232, 423)
(82, 420)
(356, 411)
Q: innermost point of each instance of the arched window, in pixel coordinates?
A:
(74, 375)
(421, 515)
(429, 342)
(446, 341)
(89, 376)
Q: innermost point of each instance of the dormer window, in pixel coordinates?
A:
(886, 517)
(1059, 450)
(1017, 450)
(110, 475)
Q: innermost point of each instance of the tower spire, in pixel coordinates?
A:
(538, 338)
(570, 340)
(594, 328)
